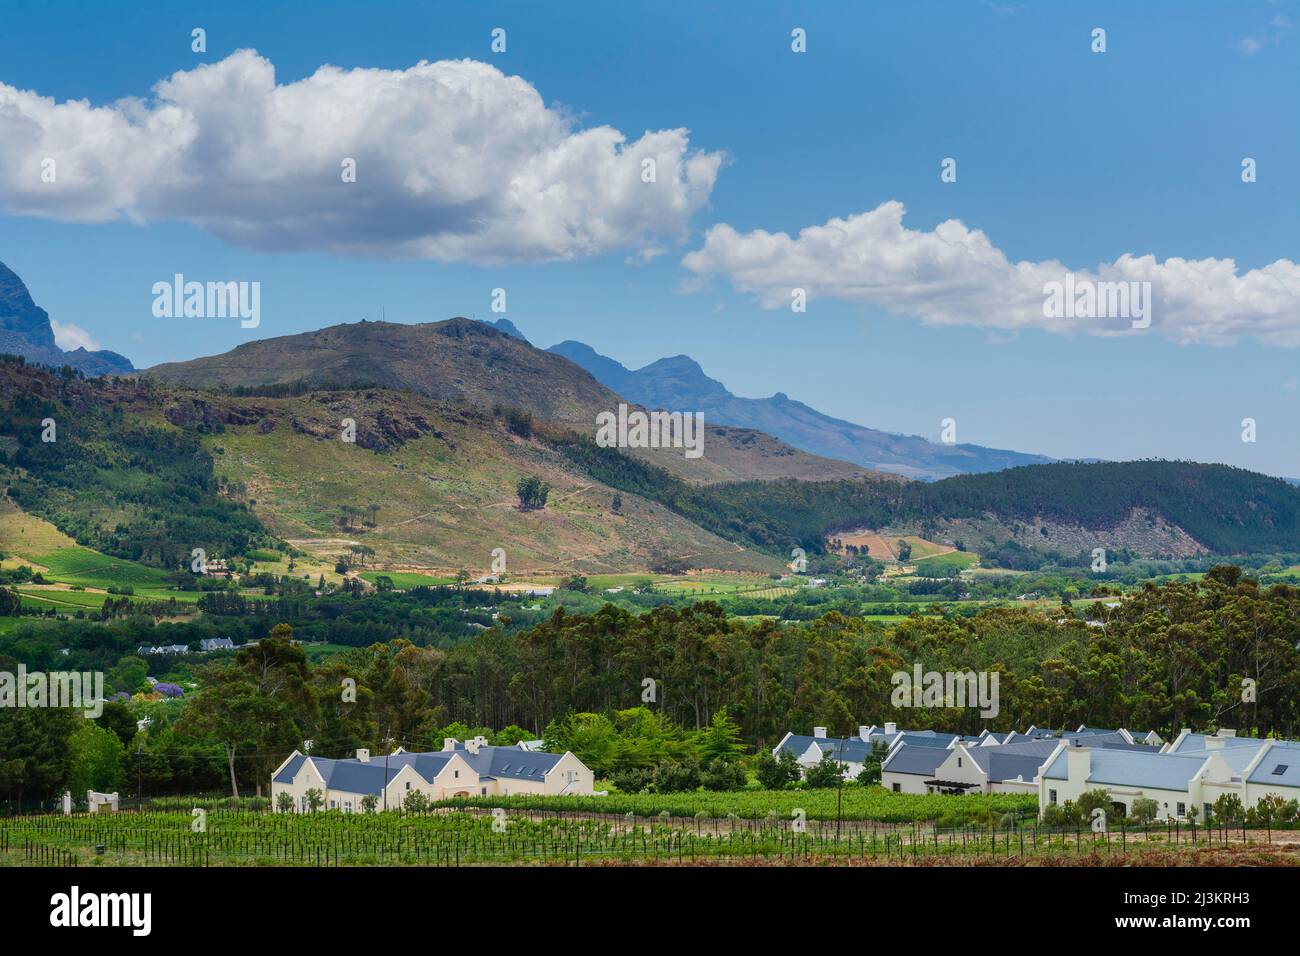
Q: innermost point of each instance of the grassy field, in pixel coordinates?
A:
(23, 536)
(884, 547)
(718, 584)
(77, 565)
(408, 579)
(922, 549)
(61, 599)
(944, 564)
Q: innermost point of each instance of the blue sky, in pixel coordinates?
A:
(1064, 155)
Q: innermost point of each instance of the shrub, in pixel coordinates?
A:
(673, 777)
(1054, 815)
(415, 802)
(532, 492)
(722, 774)
(827, 773)
(633, 780)
(777, 773)
(1144, 810)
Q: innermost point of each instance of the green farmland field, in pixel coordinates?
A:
(944, 564)
(92, 569)
(403, 580)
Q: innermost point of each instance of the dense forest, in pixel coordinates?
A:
(1167, 657)
(1229, 510)
(772, 516)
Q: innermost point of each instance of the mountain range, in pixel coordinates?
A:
(442, 423)
(25, 330)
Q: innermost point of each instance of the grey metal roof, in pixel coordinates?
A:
(855, 749)
(357, 776)
(1009, 761)
(1122, 767)
(915, 759)
(1193, 742)
(1097, 738)
(926, 738)
(1238, 757)
(290, 769)
(512, 762)
(1280, 766)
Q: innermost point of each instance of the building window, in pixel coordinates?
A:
(456, 774)
(958, 761)
(483, 790)
(1207, 811)
(408, 785)
(1182, 809)
(898, 788)
(1051, 797)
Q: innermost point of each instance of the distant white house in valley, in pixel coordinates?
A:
(461, 769)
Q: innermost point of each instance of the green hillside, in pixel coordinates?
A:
(145, 472)
(115, 481)
(1228, 510)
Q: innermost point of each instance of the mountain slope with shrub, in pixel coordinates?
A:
(148, 471)
(480, 366)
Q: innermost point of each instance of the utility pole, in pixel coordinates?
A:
(388, 746)
(839, 796)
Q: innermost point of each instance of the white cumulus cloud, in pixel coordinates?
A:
(71, 337)
(953, 275)
(455, 161)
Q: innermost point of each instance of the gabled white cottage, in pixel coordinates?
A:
(468, 769)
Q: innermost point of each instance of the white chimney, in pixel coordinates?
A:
(363, 755)
(891, 729)
(1078, 764)
(472, 745)
(1225, 732)
(448, 743)
(819, 733)
(1213, 743)
(864, 733)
